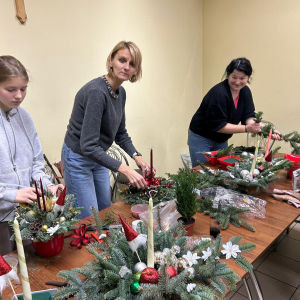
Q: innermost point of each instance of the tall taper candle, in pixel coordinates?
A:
(22, 262)
(43, 197)
(150, 257)
(255, 156)
(38, 196)
(151, 163)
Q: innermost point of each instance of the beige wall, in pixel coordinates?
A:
(65, 43)
(268, 33)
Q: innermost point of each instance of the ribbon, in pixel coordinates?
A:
(81, 237)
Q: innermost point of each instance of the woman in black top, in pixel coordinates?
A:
(225, 105)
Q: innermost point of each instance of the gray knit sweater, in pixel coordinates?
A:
(98, 120)
(21, 158)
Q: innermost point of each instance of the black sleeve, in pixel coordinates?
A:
(249, 108)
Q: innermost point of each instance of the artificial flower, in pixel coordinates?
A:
(191, 258)
(190, 287)
(206, 254)
(81, 237)
(230, 250)
(52, 230)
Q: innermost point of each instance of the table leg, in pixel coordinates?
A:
(247, 288)
(256, 285)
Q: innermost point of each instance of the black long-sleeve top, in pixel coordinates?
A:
(217, 109)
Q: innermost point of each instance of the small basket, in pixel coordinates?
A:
(224, 164)
(212, 160)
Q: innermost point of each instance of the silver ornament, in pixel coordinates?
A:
(248, 177)
(191, 272)
(244, 172)
(175, 249)
(244, 153)
(158, 257)
(123, 271)
(182, 263)
(166, 251)
(139, 267)
(256, 172)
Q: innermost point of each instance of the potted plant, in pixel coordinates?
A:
(186, 197)
(45, 221)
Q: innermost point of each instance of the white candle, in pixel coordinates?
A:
(255, 157)
(22, 262)
(150, 257)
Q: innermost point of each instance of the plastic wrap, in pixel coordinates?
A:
(224, 197)
(165, 215)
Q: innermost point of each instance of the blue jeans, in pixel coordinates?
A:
(198, 143)
(87, 180)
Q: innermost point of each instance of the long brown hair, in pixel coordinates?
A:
(11, 67)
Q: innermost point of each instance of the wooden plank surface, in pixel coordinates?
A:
(279, 216)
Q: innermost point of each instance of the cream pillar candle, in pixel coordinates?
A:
(255, 156)
(22, 262)
(150, 257)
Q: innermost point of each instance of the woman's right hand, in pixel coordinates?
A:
(135, 179)
(253, 128)
(26, 195)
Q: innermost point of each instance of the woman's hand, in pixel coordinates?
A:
(143, 165)
(276, 136)
(26, 195)
(53, 188)
(253, 127)
(135, 179)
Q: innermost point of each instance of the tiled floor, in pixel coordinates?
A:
(278, 271)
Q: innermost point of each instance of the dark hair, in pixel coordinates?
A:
(11, 67)
(241, 64)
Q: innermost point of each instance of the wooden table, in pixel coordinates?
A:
(279, 216)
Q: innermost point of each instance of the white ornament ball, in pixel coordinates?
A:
(191, 272)
(175, 249)
(139, 267)
(166, 251)
(256, 172)
(244, 172)
(158, 257)
(244, 153)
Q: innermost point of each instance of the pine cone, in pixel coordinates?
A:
(35, 226)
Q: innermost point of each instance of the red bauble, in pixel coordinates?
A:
(254, 175)
(271, 165)
(171, 271)
(149, 275)
(261, 168)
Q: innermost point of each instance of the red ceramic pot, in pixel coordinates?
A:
(50, 248)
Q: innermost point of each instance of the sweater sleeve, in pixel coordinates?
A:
(8, 194)
(90, 132)
(217, 112)
(249, 108)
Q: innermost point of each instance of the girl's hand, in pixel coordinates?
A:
(53, 188)
(26, 195)
(135, 179)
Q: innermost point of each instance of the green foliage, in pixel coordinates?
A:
(32, 214)
(220, 153)
(258, 117)
(212, 277)
(186, 197)
(163, 192)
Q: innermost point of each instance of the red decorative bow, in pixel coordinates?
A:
(81, 237)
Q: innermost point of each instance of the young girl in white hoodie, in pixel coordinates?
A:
(21, 155)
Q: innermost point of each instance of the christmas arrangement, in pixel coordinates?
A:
(47, 217)
(177, 267)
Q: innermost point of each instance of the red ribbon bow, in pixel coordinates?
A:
(81, 237)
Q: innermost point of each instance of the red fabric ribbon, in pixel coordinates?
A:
(81, 237)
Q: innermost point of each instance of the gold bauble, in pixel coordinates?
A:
(106, 257)
(44, 228)
(71, 209)
(31, 212)
(24, 205)
(62, 219)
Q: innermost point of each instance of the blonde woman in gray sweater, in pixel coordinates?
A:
(20, 149)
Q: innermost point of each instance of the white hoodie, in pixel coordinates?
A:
(21, 158)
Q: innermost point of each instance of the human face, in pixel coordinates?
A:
(237, 80)
(12, 93)
(123, 66)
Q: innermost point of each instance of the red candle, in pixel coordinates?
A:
(151, 163)
(37, 194)
(43, 197)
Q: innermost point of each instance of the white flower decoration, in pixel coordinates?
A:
(191, 258)
(230, 250)
(217, 258)
(206, 254)
(190, 287)
(52, 230)
(102, 236)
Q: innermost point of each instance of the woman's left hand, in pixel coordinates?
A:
(53, 188)
(143, 165)
(276, 136)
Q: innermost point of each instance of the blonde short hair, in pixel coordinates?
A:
(136, 57)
